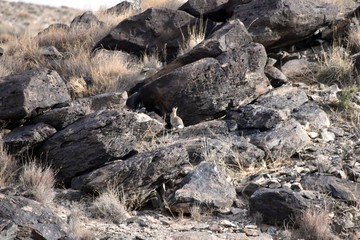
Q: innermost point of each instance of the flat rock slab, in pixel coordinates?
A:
(25, 94)
(277, 205)
(141, 173)
(22, 218)
(206, 186)
(96, 139)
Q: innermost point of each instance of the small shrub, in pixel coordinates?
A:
(336, 67)
(346, 97)
(314, 225)
(109, 205)
(39, 181)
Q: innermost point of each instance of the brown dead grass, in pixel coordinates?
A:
(315, 225)
(196, 34)
(77, 226)
(110, 205)
(8, 167)
(39, 181)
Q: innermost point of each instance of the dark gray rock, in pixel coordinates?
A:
(276, 77)
(141, 173)
(96, 139)
(86, 20)
(284, 99)
(276, 23)
(27, 93)
(255, 117)
(335, 187)
(65, 115)
(283, 141)
(213, 9)
(277, 205)
(120, 8)
(155, 31)
(23, 139)
(22, 218)
(1, 51)
(204, 90)
(300, 70)
(207, 186)
(312, 114)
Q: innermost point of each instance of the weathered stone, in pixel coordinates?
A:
(213, 9)
(27, 93)
(277, 205)
(299, 70)
(87, 20)
(203, 90)
(206, 186)
(141, 173)
(312, 114)
(25, 138)
(26, 219)
(155, 31)
(96, 139)
(283, 141)
(283, 99)
(255, 116)
(335, 187)
(276, 77)
(120, 8)
(276, 23)
(63, 116)
(50, 52)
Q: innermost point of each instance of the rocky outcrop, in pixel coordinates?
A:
(213, 9)
(22, 218)
(206, 186)
(86, 20)
(278, 23)
(23, 139)
(155, 31)
(139, 174)
(96, 139)
(28, 93)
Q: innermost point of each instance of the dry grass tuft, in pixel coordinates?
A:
(354, 37)
(110, 205)
(336, 67)
(39, 181)
(77, 227)
(196, 34)
(314, 225)
(195, 212)
(8, 167)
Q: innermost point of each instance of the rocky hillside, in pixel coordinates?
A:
(173, 120)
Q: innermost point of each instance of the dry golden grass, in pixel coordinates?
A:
(39, 181)
(354, 37)
(77, 227)
(110, 205)
(314, 225)
(195, 212)
(196, 34)
(8, 167)
(336, 67)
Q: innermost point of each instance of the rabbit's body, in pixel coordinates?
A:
(175, 121)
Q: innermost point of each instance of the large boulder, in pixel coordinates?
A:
(156, 30)
(277, 205)
(206, 186)
(205, 89)
(141, 173)
(64, 115)
(96, 139)
(27, 93)
(25, 138)
(213, 9)
(276, 23)
(22, 218)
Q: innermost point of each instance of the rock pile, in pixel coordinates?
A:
(239, 112)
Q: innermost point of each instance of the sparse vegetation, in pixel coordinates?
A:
(110, 205)
(171, 4)
(77, 227)
(196, 34)
(346, 97)
(314, 225)
(39, 181)
(8, 166)
(336, 67)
